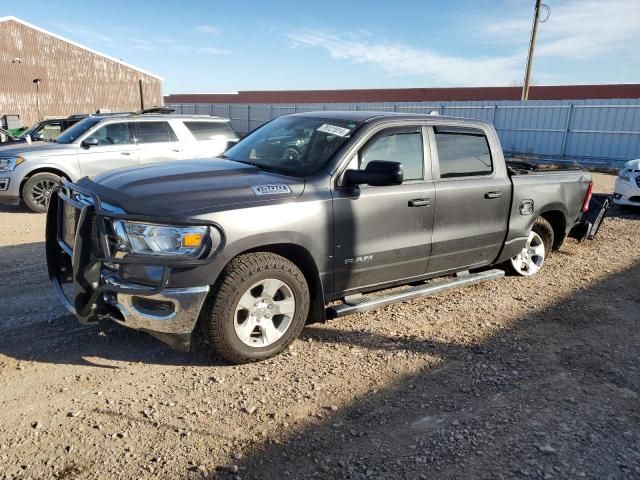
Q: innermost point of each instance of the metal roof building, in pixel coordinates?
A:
(45, 75)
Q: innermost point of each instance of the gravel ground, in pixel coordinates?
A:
(516, 378)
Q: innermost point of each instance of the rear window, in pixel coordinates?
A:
(463, 152)
(210, 130)
(155, 132)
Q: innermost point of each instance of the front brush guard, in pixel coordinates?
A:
(82, 264)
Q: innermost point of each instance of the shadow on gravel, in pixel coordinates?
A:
(35, 327)
(16, 209)
(626, 213)
(64, 341)
(555, 396)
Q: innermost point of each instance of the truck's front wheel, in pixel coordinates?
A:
(258, 307)
(530, 260)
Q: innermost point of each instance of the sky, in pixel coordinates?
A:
(215, 46)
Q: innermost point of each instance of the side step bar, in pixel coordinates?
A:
(362, 304)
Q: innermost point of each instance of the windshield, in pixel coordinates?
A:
(296, 146)
(72, 133)
(29, 131)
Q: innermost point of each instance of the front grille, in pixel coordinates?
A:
(638, 181)
(96, 247)
(635, 199)
(70, 216)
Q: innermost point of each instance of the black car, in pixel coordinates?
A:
(47, 129)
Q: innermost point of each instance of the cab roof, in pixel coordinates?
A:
(364, 116)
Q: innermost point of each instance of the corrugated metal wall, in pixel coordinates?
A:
(74, 80)
(604, 132)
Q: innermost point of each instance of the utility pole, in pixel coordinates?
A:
(532, 45)
(37, 82)
(141, 95)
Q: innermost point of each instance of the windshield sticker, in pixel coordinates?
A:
(334, 130)
(270, 189)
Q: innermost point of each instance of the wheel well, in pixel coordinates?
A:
(55, 171)
(559, 224)
(304, 261)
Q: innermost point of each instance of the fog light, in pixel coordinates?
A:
(148, 306)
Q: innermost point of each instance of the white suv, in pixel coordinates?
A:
(101, 143)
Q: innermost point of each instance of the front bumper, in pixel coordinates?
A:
(9, 189)
(99, 293)
(170, 316)
(627, 192)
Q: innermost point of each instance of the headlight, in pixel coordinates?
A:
(7, 164)
(167, 240)
(624, 175)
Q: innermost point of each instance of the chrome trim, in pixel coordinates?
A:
(187, 303)
(369, 303)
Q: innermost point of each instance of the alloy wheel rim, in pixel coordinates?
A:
(264, 313)
(41, 192)
(529, 261)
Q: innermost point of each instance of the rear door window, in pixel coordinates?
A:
(462, 152)
(210, 130)
(155, 132)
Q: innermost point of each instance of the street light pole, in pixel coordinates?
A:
(532, 44)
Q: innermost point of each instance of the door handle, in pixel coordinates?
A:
(490, 195)
(125, 153)
(420, 202)
(177, 150)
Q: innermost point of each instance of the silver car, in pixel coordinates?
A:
(98, 144)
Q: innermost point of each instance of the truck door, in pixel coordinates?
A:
(116, 148)
(383, 234)
(472, 200)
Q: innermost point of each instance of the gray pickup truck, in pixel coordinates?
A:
(243, 250)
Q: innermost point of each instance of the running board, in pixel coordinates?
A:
(362, 304)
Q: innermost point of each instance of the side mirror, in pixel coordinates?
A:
(378, 173)
(38, 136)
(90, 142)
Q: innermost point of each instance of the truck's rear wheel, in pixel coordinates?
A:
(258, 307)
(37, 190)
(532, 257)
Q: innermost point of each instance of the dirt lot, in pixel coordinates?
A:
(517, 378)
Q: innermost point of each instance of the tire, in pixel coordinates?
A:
(37, 190)
(538, 247)
(241, 295)
(291, 154)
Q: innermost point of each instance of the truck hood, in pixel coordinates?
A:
(169, 189)
(26, 150)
